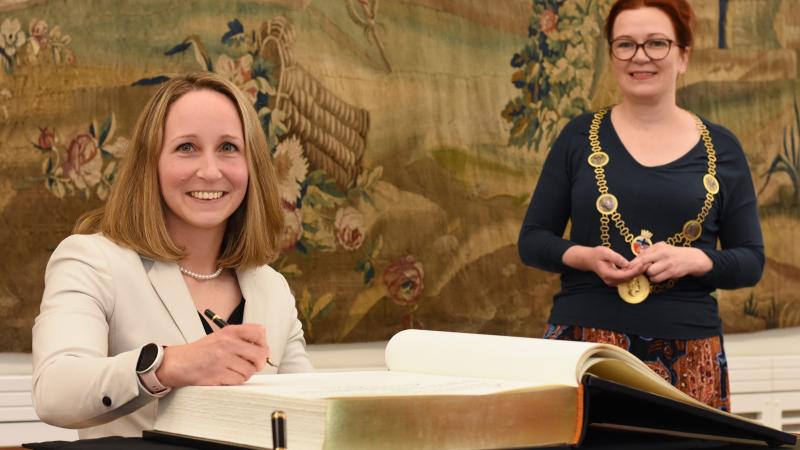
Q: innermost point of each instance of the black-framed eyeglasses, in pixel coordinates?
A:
(624, 49)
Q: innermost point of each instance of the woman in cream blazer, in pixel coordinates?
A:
(197, 178)
(102, 303)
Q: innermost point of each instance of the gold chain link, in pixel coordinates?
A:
(679, 238)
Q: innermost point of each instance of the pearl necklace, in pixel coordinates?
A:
(200, 276)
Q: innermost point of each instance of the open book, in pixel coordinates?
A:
(452, 391)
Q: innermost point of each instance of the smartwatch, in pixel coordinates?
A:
(149, 361)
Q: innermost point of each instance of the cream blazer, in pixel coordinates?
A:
(102, 303)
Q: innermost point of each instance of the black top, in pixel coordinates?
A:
(660, 199)
(236, 318)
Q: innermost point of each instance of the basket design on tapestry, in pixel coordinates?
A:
(333, 132)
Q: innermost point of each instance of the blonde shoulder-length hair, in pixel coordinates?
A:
(133, 216)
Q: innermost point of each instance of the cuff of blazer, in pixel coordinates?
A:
(132, 395)
(81, 392)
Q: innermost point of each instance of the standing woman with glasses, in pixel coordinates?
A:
(649, 189)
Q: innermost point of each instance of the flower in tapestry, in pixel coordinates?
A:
(11, 41)
(12, 38)
(292, 228)
(350, 228)
(404, 280)
(42, 44)
(86, 163)
(291, 169)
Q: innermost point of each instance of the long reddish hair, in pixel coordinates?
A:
(680, 13)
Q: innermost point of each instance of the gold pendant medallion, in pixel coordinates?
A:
(606, 204)
(598, 159)
(711, 184)
(635, 291)
(692, 230)
(641, 242)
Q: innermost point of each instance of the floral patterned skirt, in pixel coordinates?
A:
(697, 367)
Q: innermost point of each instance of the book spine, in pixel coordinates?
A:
(581, 414)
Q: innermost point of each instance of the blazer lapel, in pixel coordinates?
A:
(256, 311)
(168, 284)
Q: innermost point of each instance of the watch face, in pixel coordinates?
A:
(147, 357)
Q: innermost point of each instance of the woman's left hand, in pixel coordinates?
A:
(666, 262)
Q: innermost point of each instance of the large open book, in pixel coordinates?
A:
(453, 391)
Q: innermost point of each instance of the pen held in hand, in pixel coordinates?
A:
(220, 322)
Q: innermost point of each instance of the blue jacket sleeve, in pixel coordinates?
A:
(740, 262)
(540, 240)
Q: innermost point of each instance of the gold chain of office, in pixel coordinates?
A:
(639, 288)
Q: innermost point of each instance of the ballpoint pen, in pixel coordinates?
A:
(220, 322)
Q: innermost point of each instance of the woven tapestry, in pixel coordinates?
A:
(407, 134)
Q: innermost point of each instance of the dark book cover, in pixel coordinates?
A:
(194, 442)
(612, 406)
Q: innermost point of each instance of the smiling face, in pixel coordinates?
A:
(642, 78)
(202, 168)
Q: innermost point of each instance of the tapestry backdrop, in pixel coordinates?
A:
(408, 136)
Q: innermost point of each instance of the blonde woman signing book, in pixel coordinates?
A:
(190, 225)
(649, 189)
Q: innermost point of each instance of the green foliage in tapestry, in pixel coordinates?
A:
(788, 162)
(554, 70)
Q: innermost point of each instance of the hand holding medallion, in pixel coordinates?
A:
(664, 262)
(609, 265)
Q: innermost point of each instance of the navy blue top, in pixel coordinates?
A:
(660, 199)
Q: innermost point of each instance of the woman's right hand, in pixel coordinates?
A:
(609, 265)
(229, 356)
